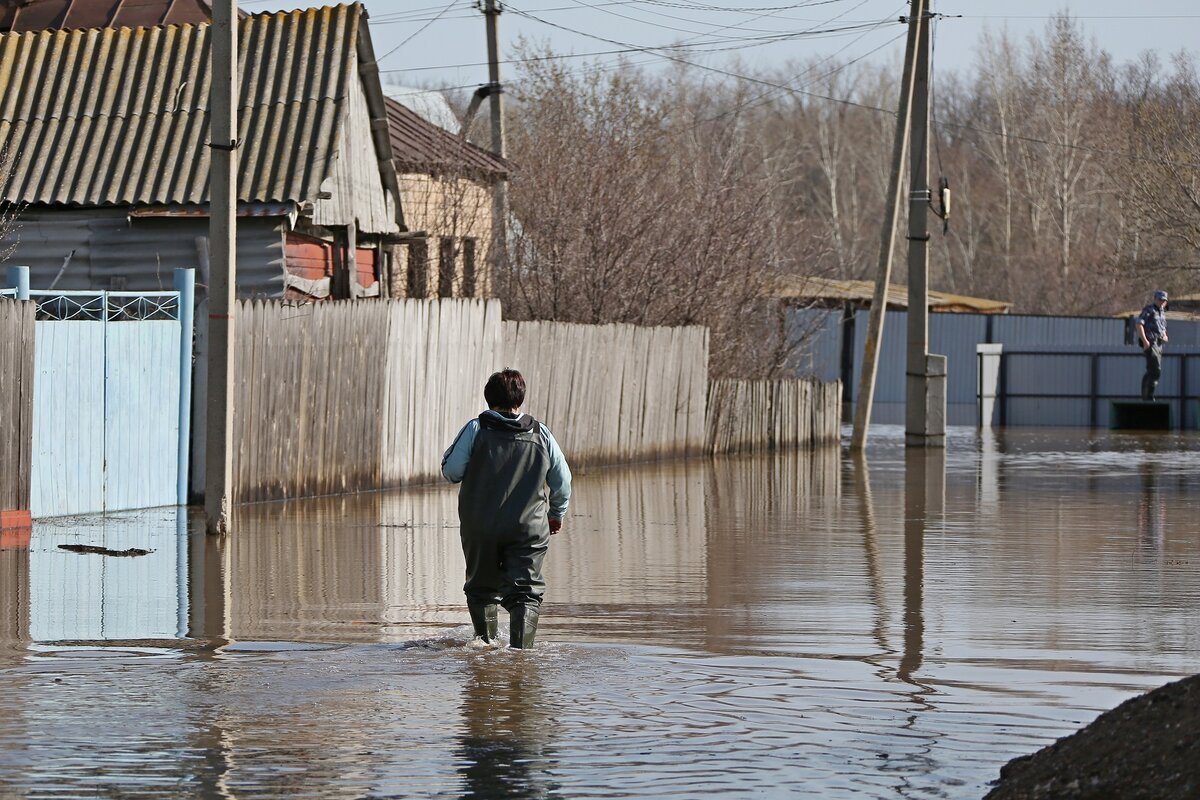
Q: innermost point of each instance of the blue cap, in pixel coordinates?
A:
(1160, 295)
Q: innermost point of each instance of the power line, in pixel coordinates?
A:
(412, 35)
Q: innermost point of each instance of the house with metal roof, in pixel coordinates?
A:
(446, 189)
(106, 132)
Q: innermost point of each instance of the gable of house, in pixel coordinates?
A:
(119, 116)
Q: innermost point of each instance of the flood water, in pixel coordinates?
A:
(768, 626)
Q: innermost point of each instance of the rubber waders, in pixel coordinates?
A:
(522, 626)
(484, 618)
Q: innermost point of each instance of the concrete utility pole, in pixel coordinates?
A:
(499, 242)
(917, 33)
(924, 420)
(222, 280)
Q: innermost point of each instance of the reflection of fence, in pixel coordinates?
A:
(752, 416)
(16, 404)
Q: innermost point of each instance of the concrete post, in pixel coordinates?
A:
(916, 389)
(222, 269)
(865, 396)
(497, 252)
(988, 358)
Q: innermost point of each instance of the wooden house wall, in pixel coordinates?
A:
(357, 193)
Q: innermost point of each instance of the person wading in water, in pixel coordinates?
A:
(505, 460)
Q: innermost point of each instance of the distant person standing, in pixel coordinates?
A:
(1152, 335)
(505, 461)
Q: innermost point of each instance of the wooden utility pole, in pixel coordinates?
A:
(222, 281)
(499, 242)
(917, 35)
(917, 426)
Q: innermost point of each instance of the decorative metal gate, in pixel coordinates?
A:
(110, 400)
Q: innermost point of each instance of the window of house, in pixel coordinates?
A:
(418, 269)
(468, 254)
(446, 267)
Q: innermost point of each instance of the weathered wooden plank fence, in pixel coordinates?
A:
(754, 416)
(437, 357)
(309, 389)
(615, 393)
(16, 403)
(342, 397)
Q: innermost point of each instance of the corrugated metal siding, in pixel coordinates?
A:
(820, 354)
(358, 193)
(1020, 330)
(110, 250)
(112, 116)
(68, 419)
(956, 335)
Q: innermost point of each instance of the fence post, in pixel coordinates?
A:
(18, 278)
(988, 356)
(185, 284)
(1094, 398)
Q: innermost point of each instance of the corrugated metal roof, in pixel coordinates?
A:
(420, 146)
(114, 116)
(36, 15)
(862, 293)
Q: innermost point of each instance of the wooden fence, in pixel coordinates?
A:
(16, 403)
(614, 393)
(754, 416)
(309, 385)
(343, 397)
(438, 356)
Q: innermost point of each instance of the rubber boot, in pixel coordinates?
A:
(522, 626)
(484, 618)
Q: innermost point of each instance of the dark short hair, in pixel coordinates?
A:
(505, 389)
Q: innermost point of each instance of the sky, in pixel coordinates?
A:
(442, 43)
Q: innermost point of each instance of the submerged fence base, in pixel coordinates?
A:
(755, 416)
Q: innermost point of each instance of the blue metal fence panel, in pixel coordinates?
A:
(141, 420)
(820, 333)
(1118, 371)
(68, 419)
(1022, 330)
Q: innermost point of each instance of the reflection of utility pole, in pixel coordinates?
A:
(870, 364)
(500, 190)
(222, 222)
(924, 500)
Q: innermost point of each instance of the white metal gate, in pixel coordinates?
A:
(107, 401)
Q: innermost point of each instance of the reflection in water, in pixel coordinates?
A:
(748, 626)
(1152, 510)
(924, 499)
(507, 720)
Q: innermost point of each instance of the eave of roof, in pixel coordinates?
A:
(420, 146)
(862, 293)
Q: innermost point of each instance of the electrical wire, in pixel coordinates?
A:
(413, 35)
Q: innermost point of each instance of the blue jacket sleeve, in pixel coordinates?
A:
(558, 478)
(458, 455)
